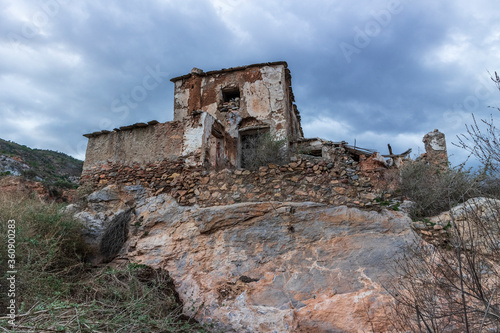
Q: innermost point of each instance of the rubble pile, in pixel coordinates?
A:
(232, 105)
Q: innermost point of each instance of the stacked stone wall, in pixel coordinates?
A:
(339, 181)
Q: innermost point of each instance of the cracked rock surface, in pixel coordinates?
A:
(267, 266)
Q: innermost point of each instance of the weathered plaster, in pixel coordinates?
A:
(438, 144)
(181, 99)
(206, 128)
(193, 138)
(138, 145)
(211, 108)
(256, 99)
(264, 95)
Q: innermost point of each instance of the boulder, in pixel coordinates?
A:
(270, 266)
(109, 193)
(477, 219)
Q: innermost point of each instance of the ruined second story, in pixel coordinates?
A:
(217, 117)
(243, 99)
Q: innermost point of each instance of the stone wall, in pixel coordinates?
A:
(338, 181)
(263, 92)
(138, 144)
(435, 149)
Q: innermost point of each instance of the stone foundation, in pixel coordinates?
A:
(338, 181)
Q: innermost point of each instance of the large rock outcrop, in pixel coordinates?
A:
(262, 267)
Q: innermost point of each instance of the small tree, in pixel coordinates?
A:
(484, 144)
(454, 287)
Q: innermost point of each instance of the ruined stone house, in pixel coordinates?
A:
(196, 160)
(216, 114)
(198, 156)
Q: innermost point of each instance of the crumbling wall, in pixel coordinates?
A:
(338, 181)
(261, 92)
(142, 143)
(191, 141)
(435, 149)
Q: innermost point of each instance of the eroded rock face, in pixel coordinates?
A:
(477, 219)
(269, 267)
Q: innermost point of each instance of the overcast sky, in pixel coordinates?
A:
(373, 71)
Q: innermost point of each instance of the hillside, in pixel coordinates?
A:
(38, 164)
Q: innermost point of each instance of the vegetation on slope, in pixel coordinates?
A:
(453, 286)
(51, 167)
(56, 291)
(434, 191)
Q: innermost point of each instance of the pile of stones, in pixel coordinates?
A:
(232, 105)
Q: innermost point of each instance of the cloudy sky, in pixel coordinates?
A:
(374, 72)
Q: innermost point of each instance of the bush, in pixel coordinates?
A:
(29, 174)
(489, 186)
(434, 191)
(264, 150)
(454, 286)
(65, 184)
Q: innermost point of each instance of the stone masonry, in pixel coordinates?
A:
(197, 158)
(340, 180)
(435, 149)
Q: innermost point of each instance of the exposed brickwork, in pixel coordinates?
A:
(434, 233)
(339, 181)
(381, 177)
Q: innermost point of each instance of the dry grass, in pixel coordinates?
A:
(265, 150)
(56, 291)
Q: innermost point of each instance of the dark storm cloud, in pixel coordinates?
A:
(374, 71)
(388, 85)
(90, 62)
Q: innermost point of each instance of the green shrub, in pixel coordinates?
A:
(64, 184)
(29, 174)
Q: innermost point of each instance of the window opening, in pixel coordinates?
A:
(229, 95)
(230, 100)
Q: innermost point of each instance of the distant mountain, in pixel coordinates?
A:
(38, 164)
